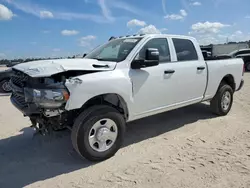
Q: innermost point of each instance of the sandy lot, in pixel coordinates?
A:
(184, 148)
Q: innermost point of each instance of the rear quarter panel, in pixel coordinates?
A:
(218, 69)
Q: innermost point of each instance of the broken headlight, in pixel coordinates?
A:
(46, 98)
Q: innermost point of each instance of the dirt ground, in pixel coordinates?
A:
(184, 148)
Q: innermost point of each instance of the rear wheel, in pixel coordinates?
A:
(5, 86)
(222, 102)
(98, 133)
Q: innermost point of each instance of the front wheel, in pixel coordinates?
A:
(222, 102)
(98, 133)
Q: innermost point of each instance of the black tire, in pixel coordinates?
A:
(247, 67)
(83, 125)
(215, 103)
(2, 88)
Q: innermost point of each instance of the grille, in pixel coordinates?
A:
(18, 78)
(20, 100)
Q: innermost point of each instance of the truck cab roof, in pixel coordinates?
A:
(153, 36)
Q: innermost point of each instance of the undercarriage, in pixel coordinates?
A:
(45, 125)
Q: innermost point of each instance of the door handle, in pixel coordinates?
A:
(169, 71)
(200, 68)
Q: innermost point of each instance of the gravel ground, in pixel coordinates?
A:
(184, 148)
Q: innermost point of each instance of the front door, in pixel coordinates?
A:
(150, 85)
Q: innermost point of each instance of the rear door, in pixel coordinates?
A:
(190, 72)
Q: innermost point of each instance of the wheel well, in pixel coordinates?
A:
(110, 99)
(229, 79)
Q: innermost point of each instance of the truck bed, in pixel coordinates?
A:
(218, 69)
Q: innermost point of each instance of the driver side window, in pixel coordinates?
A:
(159, 43)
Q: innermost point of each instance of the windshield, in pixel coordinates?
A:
(115, 50)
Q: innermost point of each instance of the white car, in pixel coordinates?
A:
(123, 80)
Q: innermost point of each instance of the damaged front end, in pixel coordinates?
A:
(43, 99)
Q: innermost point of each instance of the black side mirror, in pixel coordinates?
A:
(151, 59)
(84, 55)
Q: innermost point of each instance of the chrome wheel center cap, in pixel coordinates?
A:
(102, 134)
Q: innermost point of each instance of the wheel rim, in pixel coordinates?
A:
(6, 86)
(103, 135)
(226, 100)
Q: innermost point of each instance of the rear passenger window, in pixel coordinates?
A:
(185, 50)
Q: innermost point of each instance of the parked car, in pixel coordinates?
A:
(246, 59)
(123, 80)
(244, 54)
(12, 64)
(4, 81)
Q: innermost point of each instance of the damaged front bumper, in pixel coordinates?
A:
(32, 97)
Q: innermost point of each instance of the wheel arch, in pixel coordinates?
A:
(228, 79)
(111, 99)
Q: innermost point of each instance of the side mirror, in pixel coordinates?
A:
(151, 59)
(84, 55)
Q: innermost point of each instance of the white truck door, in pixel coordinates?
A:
(151, 91)
(190, 73)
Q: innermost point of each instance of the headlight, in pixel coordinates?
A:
(47, 98)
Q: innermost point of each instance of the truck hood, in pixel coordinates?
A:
(45, 68)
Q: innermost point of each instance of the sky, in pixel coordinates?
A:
(55, 28)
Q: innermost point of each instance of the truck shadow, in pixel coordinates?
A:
(25, 159)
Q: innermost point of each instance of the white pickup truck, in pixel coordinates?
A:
(125, 79)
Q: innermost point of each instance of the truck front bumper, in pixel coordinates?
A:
(241, 85)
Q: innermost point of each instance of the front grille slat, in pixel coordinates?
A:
(20, 100)
(19, 79)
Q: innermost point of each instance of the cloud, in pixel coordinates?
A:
(38, 11)
(183, 13)
(45, 31)
(86, 41)
(210, 32)
(150, 29)
(69, 32)
(135, 22)
(125, 6)
(222, 38)
(208, 27)
(2, 55)
(196, 3)
(174, 17)
(56, 50)
(238, 32)
(5, 13)
(33, 43)
(46, 14)
(247, 17)
(105, 10)
(180, 16)
(163, 30)
(219, 37)
(164, 6)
